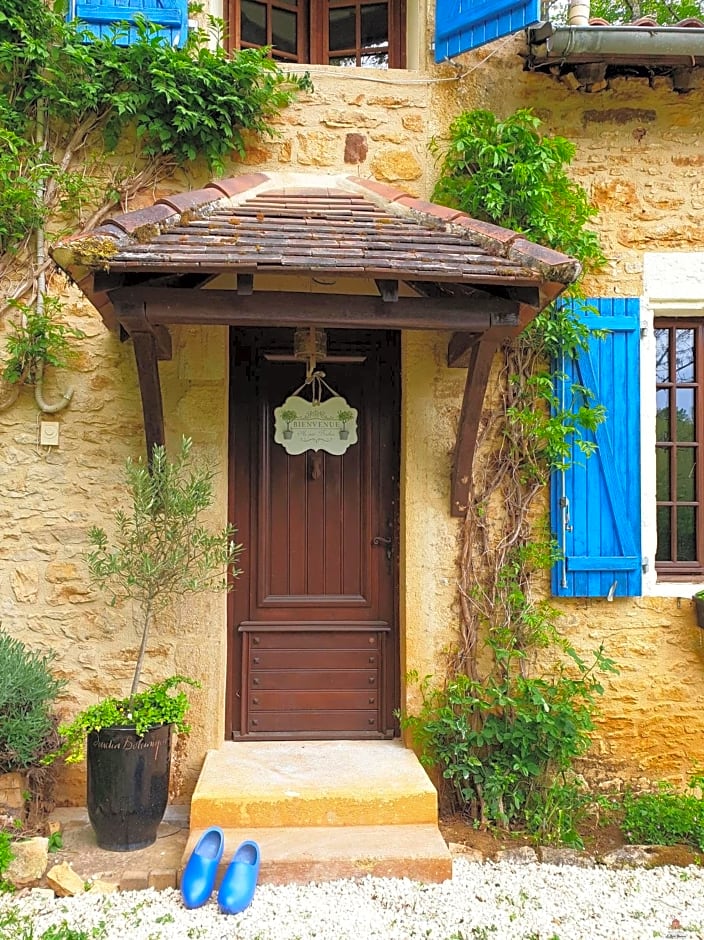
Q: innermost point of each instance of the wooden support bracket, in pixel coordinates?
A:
(481, 358)
(388, 290)
(145, 353)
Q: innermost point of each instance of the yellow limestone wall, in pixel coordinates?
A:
(639, 153)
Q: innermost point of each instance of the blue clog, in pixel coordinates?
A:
(198, 877)
(240, 879)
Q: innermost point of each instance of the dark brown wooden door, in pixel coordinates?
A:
(313, 643)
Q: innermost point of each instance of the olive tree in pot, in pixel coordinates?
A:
(160, 552)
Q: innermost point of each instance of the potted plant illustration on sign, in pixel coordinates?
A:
(288, 416)
(160, 552)
(344, 417)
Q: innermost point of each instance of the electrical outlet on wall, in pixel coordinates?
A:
(49, 433)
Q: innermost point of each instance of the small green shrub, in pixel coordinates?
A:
(500, 740)
(28, 691)
(556, 814)
(666, 816)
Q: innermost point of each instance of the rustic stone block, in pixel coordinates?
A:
(134, 881)
(162, 878)
(30, 861)
(65, 882)
(317, 149)
(25, 584)
(355, 148)
(395, 165)
(12, 789)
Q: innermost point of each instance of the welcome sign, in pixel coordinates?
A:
(301, 425)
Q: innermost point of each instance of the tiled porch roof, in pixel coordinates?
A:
(270, 224)
(389, 260)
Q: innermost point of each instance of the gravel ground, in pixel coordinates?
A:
(487, 901)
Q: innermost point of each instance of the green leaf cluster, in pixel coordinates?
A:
(36, 340)
(182, 103)
(28, 694)
(6, 853)
(497, 740)
(665, 12)
(160, 549)
(508, 173)
(666, 816)
(161, 703)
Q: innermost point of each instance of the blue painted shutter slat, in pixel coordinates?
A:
(595, 503)
(100, 16)
(461, 25)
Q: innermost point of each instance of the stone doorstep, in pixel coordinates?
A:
(326, 853)
(270, 784)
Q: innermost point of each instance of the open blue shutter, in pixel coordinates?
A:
(461, 25)
(101, 16)
(595, 503)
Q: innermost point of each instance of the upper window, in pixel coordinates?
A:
(368, 33)
(679, 376)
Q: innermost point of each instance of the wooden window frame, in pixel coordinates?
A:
(685, 570)
(312, 38)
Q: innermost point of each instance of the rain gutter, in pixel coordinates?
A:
(668, 45)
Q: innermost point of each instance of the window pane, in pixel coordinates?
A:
(375, 60)
(344, 61)
(662, 474)
(684, 355)
(686, 482)
(283, 31)
(663, 552)
(662, 348)
(662, 415)
(375, 29)
(685, 414)
(253, 22)
(686, 534)
(342, 29)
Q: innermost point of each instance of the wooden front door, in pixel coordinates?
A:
(313, 642)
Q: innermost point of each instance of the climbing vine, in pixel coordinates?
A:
(87, 123)
(501, 727)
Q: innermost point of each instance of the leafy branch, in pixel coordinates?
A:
(160, 550)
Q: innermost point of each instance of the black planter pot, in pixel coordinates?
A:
(128, 785)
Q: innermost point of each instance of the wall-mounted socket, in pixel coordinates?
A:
(49, 433)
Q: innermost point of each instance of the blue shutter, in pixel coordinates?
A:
(101, 16)
(461, 25)
(595, 503)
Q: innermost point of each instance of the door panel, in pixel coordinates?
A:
(313, 615)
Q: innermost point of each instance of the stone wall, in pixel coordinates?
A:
(639, 153)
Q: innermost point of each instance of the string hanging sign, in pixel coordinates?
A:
(318, 423)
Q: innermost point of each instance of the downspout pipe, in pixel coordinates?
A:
(41, 283)
(578, 13)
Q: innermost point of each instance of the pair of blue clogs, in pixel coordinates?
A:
(239, 881)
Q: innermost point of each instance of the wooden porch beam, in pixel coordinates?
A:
(481, 358)
(459, 349)
(146, 341)
(145, 354)
(279, 308)
(481, 355)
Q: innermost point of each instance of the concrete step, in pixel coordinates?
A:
(322, 810)
(326, 853)
(260, 784)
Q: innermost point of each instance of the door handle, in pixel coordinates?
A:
(382, 540)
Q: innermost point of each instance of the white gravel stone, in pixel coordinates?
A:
(487, 901)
